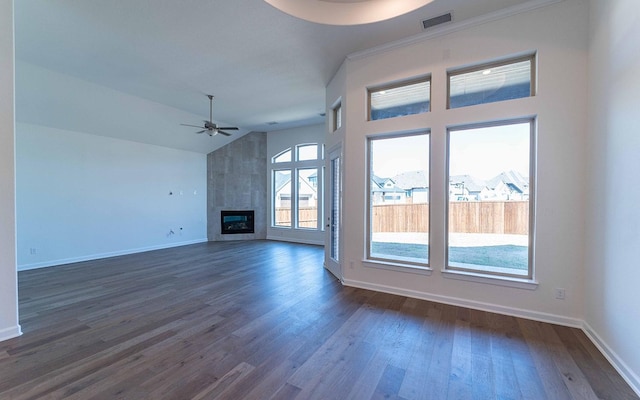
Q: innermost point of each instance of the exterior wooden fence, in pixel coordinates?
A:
(507, 217)
(307, 217)
(400, 218)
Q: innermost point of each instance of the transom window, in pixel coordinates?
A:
(407, 98)
(284, 156)
(307, 152)
(491, 82)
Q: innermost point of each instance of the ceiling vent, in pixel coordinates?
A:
(431, 22)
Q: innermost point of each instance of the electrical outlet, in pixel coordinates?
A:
(33, 251)
(560, 294)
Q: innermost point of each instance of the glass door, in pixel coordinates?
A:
(333, 228)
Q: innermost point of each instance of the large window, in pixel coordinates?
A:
(412, 97)
(490, 195)
(296, 187)
(399, 199)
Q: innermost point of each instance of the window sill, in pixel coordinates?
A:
(519, 283)
(392, 266)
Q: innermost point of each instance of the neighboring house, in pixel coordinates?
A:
(415, 184)
(385, 191)
(307, 192)
(510, 185)
(468, 188)
(407, 187)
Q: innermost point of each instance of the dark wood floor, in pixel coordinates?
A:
(261, 320)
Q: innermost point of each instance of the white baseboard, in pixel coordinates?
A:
(296, 240)
(623, 369)
(476, 305)
(10, 333)
(91, 257)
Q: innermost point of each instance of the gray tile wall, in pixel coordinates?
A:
(237, 180)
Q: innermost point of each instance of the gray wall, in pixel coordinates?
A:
(236, 180)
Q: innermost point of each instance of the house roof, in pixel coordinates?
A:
(378, 185)
(471, 183)
(412, 180)
(282, 179)
(515, 180)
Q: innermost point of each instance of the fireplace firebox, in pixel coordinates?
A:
(233, 222)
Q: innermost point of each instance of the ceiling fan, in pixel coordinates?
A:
(209, 126)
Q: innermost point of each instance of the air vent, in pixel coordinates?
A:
(431, 22)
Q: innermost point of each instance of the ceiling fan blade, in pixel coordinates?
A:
(193, 126)
(202, 131)
(223, 132)
(229, 128)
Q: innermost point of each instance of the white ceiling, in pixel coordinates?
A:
(262, 65)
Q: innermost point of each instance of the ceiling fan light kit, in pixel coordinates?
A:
(210, 127)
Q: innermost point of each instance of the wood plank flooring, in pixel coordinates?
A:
(264, 320)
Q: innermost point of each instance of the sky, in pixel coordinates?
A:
(393, 156)
(486, 152)
(480, 152)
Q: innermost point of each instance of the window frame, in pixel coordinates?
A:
(336, 116)
(532, 57)
(387, 262)
(533, 123)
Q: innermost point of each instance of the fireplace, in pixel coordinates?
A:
(236, 222)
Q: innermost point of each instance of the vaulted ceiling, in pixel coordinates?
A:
(267, 69)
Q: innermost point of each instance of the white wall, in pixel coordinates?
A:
(49, 98)
(8, 278)
(82, 196)
(89, 183)
(559, 35)
(612, 309)
(278, 141)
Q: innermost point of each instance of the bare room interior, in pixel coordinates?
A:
(279, 199)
